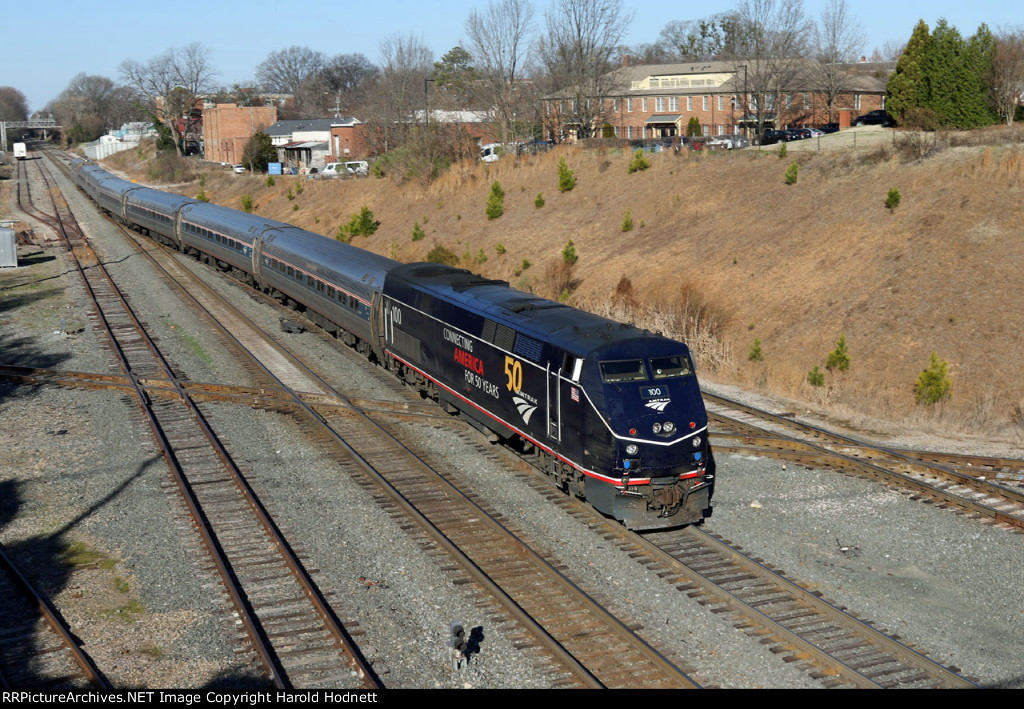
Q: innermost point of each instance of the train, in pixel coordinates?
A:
(612, 413)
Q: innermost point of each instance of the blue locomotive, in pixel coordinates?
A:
(612, 413)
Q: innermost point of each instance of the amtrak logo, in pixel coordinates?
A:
(658, 405)
(526, 409)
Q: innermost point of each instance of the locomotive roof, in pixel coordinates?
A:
(575, 331)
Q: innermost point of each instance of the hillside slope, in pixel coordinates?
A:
(792, 265)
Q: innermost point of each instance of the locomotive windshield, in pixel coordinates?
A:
(675, 366)
(628, 370)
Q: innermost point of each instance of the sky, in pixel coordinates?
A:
(46, 45)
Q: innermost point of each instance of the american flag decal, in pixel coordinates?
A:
(575, 393)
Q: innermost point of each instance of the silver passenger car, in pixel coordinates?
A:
(340, 282)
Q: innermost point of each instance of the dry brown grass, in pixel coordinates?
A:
(724, 251)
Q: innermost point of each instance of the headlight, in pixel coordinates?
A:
(669, 427)
(657, 428)
(696, 441)
(632, 448)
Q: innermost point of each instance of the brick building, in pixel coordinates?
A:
(227, 128)
(659, 100)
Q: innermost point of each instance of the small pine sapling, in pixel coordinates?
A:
(839, 358)
(791, 173)
(892, 200)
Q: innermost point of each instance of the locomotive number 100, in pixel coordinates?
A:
(514, 372)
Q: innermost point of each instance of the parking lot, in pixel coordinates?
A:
(846, 139)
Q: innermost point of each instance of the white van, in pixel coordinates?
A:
(332, 169)
(358, 168)
(354, 168)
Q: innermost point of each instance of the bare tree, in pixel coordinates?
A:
(91, 105)
(773, 39)
(1006, 77)
(838, 39)
(284, 71)
(499, 40)
(171, 83)
(581, 41)
(710, 38)
(338, 86)
(399, 92)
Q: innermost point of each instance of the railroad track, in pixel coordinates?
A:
(831, 644)
(289, 625)
(975, 485)
(37, 648)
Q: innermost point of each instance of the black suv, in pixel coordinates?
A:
(875, 118)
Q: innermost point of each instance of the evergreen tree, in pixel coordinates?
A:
(941, 79)
(907, 88)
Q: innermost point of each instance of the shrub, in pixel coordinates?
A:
(289, 194)
(566, 177)
(539, 202)
(815, 377)
(362, 224)
(495, 202)
(627, 222)
(933, 384)
(299, 188)
(569, 255)
(202, 196)
(247, 202)
(839, 358)
(500, 249)
(892, 200)
(639, 162)
(756, 355)
(417, 232)
(783, 150)
(693, 128)
(521, 267)
(791, 174)
(270, 181)
(480, 257)
(442, 254)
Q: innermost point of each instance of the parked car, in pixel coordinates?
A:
(875, 118)
(816, 133)
(357, 168)
(738, 141)
(313, 174)
(801, 133)
(830, 128)
(238, 169)
(719, 142)
(771, 137)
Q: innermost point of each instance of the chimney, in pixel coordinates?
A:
(625, 60)
(863, 59)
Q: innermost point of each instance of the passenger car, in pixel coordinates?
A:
(238, 169)
(875, 118)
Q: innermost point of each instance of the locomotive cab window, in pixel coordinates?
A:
(674, 366)
(572, 367)
(627, 370)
